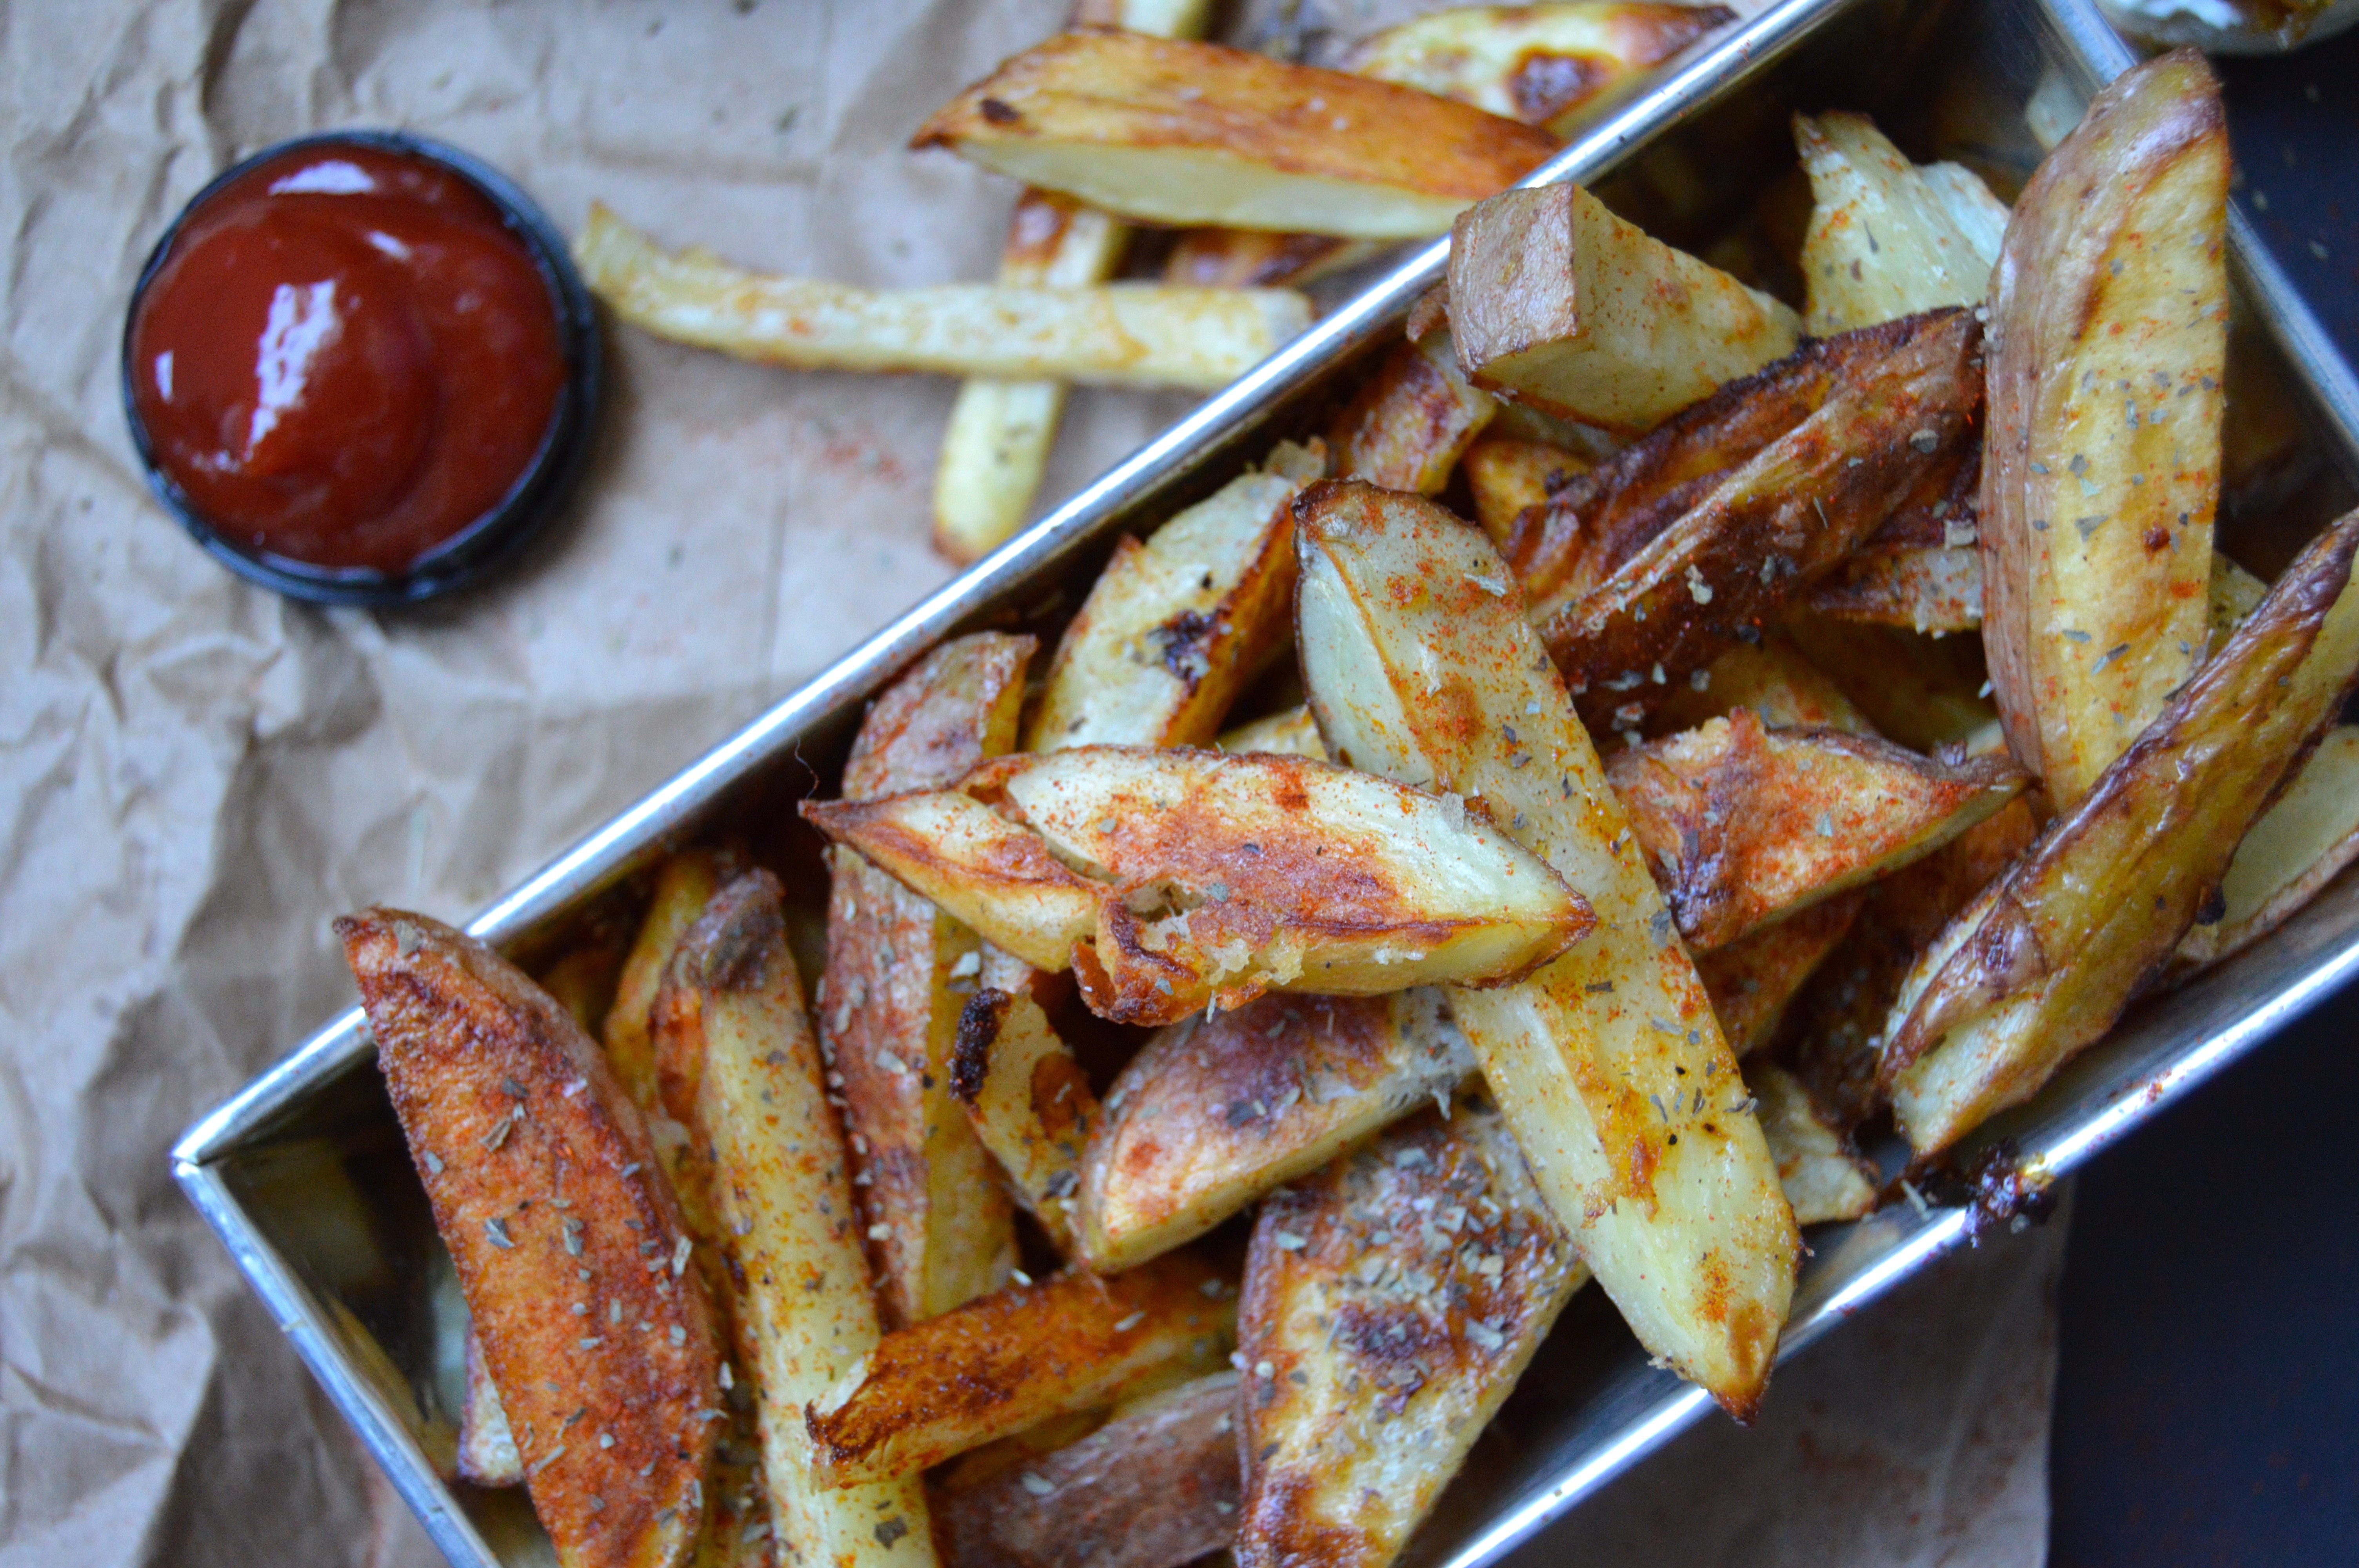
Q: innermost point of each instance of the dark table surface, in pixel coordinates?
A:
(2208, 1371)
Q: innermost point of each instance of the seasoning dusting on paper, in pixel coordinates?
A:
(196, 775)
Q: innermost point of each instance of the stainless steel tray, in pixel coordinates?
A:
(303, 1173)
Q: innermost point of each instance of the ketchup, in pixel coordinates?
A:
(346, 358)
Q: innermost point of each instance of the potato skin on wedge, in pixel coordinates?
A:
(1030, 1103)
(1743, 824)
(1011, 1360)
(1608, 1063)
(543, 1184)
(1214, 877)
(1390, 1303)
(1410, 422)
(1214, 1112)
(2109, 321)
(2046, 958)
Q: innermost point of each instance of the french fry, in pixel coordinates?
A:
(803, 1311)
(2108, 316)
(1153, 1489)
(1753, 979)
(1923, 568)
(1743, 824)
(1391, 1301)
(1259, 258)
(509, 1108)
(1555, 301)
(1007, 1361)
(1174, 628)
(1122, 334)
(1834, 1030)
(1924, 692)
(683, 887)
(1608, 1063)
(995, 446)
(2299, 845)
(1412, 420)
(1771, 529)
(1772, 678)
(1215, 1112)
(898, 973)
(1211, 878)
(1162, 131)
(487, 1448)
(2046, 958)
(1887, 239)
(1552, 65)
(1821, 1177)
(1509, 477)
(1030, 1103)
(1293, 733)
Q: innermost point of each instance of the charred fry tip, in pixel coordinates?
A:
(729, 947)
(978, 1026)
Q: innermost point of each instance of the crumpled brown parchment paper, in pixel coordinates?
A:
(194, 774)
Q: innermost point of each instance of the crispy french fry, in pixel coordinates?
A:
(898, 973)
(1772, 678)
(2299, 845)
(1213, 876)
(2045, 959)
(1887, 239)
(487, 1449)
(1153, 1489)
(1556, 300)
(1509, 477)
(1924, 692)
(995, 446)
(684, 886)
(1259, 258)
(1029, 1101)
(2108, 314)
(1412, 420)
(803, 1313)
(1293, 733)
(1743, 826)
(1163, 131)
(1772, 527)
(1004, 1362)
(1823, 1178)
(1752, 981)
(1608, 1063)
(1553, 65)
(1215, 1112)
(1835, 1027)
(1122, 334)
(1174, 628)
(509, 1106)
(1391, 1301)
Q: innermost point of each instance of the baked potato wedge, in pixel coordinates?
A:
(2109, 322)
(1555, 301)
(1174, 628)
(900, 972)
(1771, 529)
(1123, 334)
(1508, 477)
(1293, 733)
(569, 1247)
(1030, 1103)
(1410, 422)
(683, 887)
(487, 1448)
(1552, 65)
(1421, 664)
(1887, 241)
(1743, 826)
(1215, 1112)
(1390, 1303)
(1161, 131)
(1922, 691)
(1923, 569)
(2299, 845)
(1154, 1488)
(1753, 979)
(734, 1023)
(1011, 1360)
(1821, 1177)
(1260, 258)
(1206, 877)
(1771, 678)
(2044, 960)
